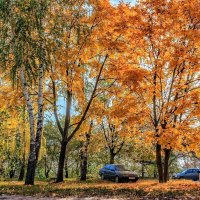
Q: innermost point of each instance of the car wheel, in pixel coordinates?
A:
(136, 179)
(180, 177)
(102, 177)
(117, 179)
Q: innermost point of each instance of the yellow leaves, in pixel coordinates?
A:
(184, 189)
(9, 97)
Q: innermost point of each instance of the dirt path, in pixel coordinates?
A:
(15, 197)
(5, 197)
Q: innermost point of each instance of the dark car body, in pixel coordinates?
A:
(190, 174)
(117, 173)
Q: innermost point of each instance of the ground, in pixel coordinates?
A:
(100, 190)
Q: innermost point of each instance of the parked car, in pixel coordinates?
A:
(117, 173)
(191, 174)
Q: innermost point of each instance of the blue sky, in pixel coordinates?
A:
(117, 1)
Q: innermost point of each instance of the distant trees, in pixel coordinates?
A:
(113, 140)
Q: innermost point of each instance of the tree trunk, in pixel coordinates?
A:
(142, 170)
(166, 164)
(66, 172)
(112, 158)
(159, 162)
(46, 168)
(12, 173)
(84, 160)
(83, 166)
(22, 172)
(47, 174)
(30, 174)
(61, 162)
(40, 117)
(32, 159)
(66, 165)
(35, 142)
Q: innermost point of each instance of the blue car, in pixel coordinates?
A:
(117, 173)
(190, 174)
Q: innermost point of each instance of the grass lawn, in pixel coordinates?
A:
(143, 188)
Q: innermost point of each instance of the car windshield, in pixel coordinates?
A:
(184, 171)
(121, 168)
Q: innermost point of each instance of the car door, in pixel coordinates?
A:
(188, 174)
(106, 171)
(195, 175)
(112, 171)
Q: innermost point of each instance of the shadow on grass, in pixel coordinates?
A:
(93, 188)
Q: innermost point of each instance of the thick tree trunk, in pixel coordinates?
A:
(66, 165)
(30, 174)
(61, 162)
(34, 142)
(112, 158)
(166, 164)
(32, 158)
(159, 162)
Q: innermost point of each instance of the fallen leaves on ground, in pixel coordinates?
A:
(176, 189)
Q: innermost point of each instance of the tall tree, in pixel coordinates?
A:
(82, 65)
(23, 52)
(168, 52)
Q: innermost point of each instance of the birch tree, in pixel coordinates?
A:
(23, 53)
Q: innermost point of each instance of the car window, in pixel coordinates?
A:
(190, 171)
(112, 168)
(121, 168)
(107, 167)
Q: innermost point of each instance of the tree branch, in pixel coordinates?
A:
(89, 103)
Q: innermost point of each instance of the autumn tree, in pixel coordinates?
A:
(113, 140)
(168, 55)
(23, 54)
(81, 63)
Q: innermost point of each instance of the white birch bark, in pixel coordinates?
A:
(31, 115)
